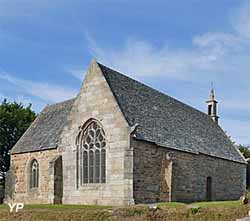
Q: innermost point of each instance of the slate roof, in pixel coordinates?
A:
(160, 118)
(45, 131)
(168, 122)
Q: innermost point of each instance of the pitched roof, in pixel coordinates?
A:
(44, 132)
(168, 122)
(160, 118)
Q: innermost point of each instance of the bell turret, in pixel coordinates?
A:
(212, 106)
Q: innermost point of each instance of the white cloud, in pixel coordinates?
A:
(44, 91)
(212, 52)
(220, 43)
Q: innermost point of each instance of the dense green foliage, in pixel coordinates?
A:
(14, 121)
(245, 151)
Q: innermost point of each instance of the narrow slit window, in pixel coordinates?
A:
(34, 174)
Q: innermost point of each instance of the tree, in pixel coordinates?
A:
(14, 121)
(245, 151)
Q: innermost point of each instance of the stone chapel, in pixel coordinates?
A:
(121, 142)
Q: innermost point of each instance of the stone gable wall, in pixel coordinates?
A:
(162, 174)
(20, 164)
(96, 100)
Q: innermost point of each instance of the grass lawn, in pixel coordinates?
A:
(203, 211)
(224, 204)
(3, 206)
(62, 207)
(171, 205)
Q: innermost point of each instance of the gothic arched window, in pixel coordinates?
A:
(91, 145)
(34, 174)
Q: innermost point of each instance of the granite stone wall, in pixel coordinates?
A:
(21, 192)
(152, 173)
(162, 174)
(96, 101)
(190, 173)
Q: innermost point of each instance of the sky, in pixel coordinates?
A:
(178, 47)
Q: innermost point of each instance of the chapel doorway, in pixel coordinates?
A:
(58, 180)
(209, 189)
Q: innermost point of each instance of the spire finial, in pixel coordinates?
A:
(212, 91)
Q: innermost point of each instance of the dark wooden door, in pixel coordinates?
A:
(209, 189)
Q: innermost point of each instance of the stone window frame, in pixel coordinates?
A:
(33, 169)
(90, 148)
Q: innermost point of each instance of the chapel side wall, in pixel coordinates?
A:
(96, 101)
(189, 172)
(20, 171)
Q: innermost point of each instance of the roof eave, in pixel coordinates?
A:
(31, 151)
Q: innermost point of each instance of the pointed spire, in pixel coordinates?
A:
(211, 97)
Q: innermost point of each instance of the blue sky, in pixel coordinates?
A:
(178, 47)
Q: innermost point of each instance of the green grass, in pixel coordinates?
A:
(62, 207)
(217, 204)
(171, 204)
(207, 211)
(3, 206)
